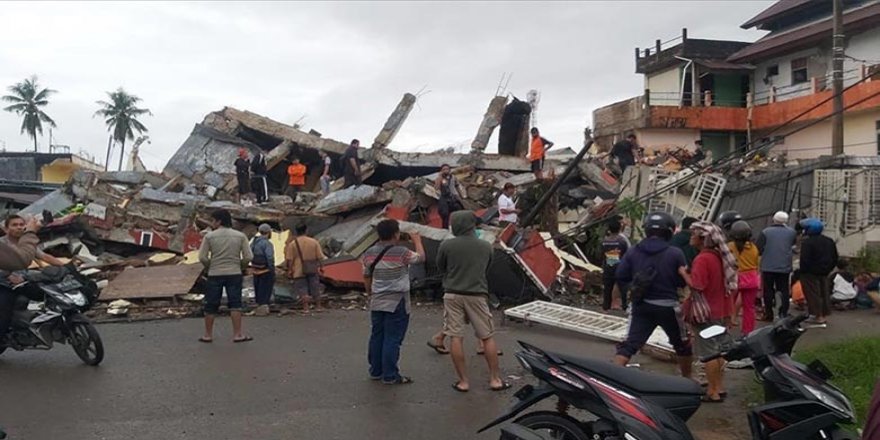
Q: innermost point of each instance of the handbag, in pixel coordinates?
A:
(309, 267)
(696, 309)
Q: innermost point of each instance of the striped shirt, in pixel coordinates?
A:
(391, 276)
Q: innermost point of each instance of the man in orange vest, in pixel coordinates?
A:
(537, 149)
(296, 173)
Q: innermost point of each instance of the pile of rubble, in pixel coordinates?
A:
(139, 232)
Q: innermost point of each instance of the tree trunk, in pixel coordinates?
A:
(121, 153)
(107, 161)
(35, 142)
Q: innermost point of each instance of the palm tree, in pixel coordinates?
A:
(27, 98)
(121, 114)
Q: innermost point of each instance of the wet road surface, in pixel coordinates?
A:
(303, 377)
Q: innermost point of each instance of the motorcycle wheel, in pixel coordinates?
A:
(87, 343)
(553, 425)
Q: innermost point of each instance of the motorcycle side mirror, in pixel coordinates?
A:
(713, 331)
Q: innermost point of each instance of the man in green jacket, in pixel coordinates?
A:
(682, 240)
(463, 261)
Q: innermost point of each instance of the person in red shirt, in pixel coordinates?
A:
(714, 273)
(537, 148)
(296, 173)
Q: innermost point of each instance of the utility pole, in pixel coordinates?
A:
(837, 80)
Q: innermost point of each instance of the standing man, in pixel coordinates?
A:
(325, 173)
(386, 277)
(775, 244)
(224, 253)
(818, 258)
(258, 179)
(537, 148)
(243, 173)
(614, 246)
(304, 256)
(463, 261)
(351, 167)
(450, 199)
(263, 267)
(699, 154)
(507, 211)
(625, 152)
(654, 271)
(296, 174)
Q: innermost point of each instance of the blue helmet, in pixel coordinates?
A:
(812, 226)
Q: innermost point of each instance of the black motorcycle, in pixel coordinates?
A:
(628, 404)
(67, 295)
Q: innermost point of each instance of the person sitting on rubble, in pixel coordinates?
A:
(243, 173)
(296, 174)
(537, 149)
(258, 177)
(450, 197)
(507, 210)
(351, 166)
(843, 288)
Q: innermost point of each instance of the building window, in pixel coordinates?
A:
(146, 239)
(772, 70)
(799, 71)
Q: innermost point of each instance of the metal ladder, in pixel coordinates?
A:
(706, 196)
(599, 325)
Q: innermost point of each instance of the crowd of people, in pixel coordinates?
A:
(702, 274)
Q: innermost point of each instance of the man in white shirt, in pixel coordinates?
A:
(507, 212)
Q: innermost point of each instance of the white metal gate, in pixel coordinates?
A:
(706, 196)
(600, 325)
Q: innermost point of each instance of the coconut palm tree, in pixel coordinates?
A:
(121, 114)
(27, 99)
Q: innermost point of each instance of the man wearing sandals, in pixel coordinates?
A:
(225, 253)
(463, 261)
(386, 277)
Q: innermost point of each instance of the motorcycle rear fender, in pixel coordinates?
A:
(530, 398)
(804, 429)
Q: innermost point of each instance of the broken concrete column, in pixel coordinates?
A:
(491, 119)
(395, 121)
(278, 154)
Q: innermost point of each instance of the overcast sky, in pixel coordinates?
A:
(342, 65)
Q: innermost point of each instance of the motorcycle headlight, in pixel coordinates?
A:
(843, 407)
(78, 299)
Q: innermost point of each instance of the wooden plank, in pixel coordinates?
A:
(152, 282)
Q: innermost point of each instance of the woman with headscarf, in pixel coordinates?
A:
(714, 274)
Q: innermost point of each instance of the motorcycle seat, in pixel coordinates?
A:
(633, 379)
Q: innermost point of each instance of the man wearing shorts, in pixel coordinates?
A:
(537, 147)
(463, 261)
(224, 253)
(300, 252)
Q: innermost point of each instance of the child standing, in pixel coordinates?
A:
(747, 261)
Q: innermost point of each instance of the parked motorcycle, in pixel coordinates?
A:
(629, 404)
(68, 294)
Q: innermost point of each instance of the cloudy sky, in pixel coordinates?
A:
(342, 66)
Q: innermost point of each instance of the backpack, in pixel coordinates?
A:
(644, 279)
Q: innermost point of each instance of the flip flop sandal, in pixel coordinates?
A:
(456, 388)
(205, 341)
(504, 386)
(480, 353)
(244, 339)
(438, 348)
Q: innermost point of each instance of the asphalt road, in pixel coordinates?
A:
(303, 377)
